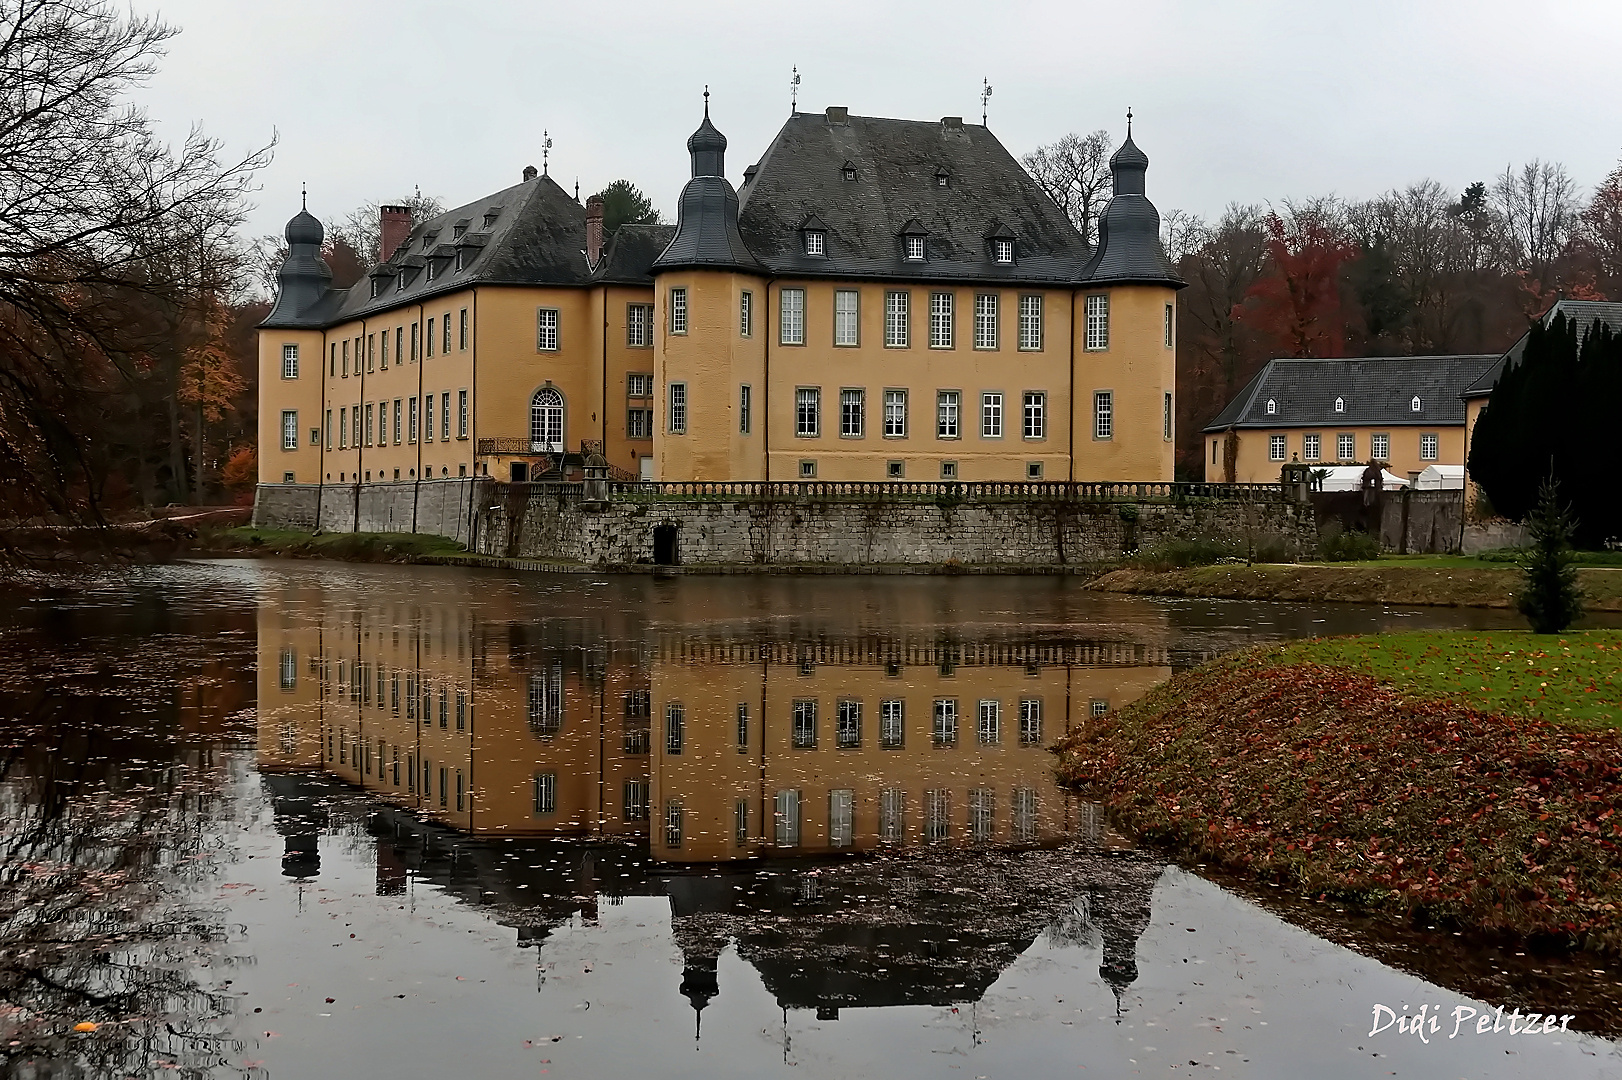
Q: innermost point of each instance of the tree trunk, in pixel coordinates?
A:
(177, 451)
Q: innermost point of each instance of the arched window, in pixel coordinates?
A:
(1340, 404)
(1414, 405)
(546, 421)
(1272, 407)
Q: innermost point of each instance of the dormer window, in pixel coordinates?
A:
(1003, 250)
(1414, 404)
(461, 259)
(941, 177)
(377, 286)
(403, 280)
(1340, 404)
(813, 242)
(428, 240)
(915, 248)
(490, 216)
(431, 263)
(458, 231)
(848, 172)
(1272, 407)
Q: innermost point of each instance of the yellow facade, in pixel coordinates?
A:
(1256, 463)
(297, 390)
(704, 359)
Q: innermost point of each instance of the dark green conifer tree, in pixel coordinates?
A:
(1550, 598)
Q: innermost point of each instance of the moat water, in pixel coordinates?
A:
(274, 819)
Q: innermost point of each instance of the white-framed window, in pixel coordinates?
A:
(1415, 405)
(1097, 339)
(948, 470)
(638, 326)
(329, 429)
(1103, 414)
(676, 414)
(678, 310)
(895, 470)
(1003, 250)
(1429, 446)
(416, 329)
(545, 420)
(354, 423)
(1035, 424)
(383, 340)
(989, 730)
(1099, 706)
(940, 320)
(289, 669)
(1030, 322)
(1166, 417)
(852, 413)
(895, 414)
(841, 827)
(1030, 721)
(808, 469)
(804, 733)
(791, 317)
(915, 248)
(461, 414)
(985, 321)
(848, 724)
(746, 314)
(786, 814)
(1275, 448)
(891, 719)
(427, 420)
(1272, 407)
(991, 415)
(461, 339)
(945, 729)
(546, 793)
(1170, 322)
(892, 815)
(807, 412)
(745, 408)
(445, 341)
(673, 824)
(639, 384)
(675, 727)
(289, 361)
(369, 422)
(847, 317)
(982, 803)
(1380, 447)
(1311, 447)
(1345, 446)
(937, 814)
(289, 429)
(634, 800)
(814, 242)
(897, 324)
(1340, 404)
(546, 330)
(397, 414)
(948, 403)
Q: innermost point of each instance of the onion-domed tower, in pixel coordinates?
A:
(290, 359)
(709, 353)
(1125, 336)
(304, 278)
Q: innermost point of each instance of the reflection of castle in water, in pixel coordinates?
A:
(621, 753)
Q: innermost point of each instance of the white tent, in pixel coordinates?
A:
(1441, 478)
(1350, 478)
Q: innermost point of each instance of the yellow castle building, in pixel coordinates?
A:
(881, 300)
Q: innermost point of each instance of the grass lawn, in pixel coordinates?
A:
(1574, 678)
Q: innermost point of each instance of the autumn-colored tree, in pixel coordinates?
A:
(241, 474)
(1296, 303)
(209, 381)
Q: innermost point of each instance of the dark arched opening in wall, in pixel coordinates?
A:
(664, 544)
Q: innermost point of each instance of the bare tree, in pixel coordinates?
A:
(1075, 172)
(1536, 209)
(360, 229)
(98, 218)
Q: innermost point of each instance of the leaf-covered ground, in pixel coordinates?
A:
(1575, 678)
(1322, 778)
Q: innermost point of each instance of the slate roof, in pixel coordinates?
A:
(1378, 391)
(628, 259)
(1585, 312)
(537, 236)
(1129, 249)
(896, 162)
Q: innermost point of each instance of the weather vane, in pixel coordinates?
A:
(546, 149)
(985, 96)
(794, 91)
(1129, 121)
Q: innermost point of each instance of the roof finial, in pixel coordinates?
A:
(1129, 121)
(546, 150)
(794, 92)
(577, 189)
(985, 96)
(304, 197)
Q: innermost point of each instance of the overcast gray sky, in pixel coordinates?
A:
(1242, 101)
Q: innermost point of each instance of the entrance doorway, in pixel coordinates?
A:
(546, 421)
(664, 544)
(520, 472)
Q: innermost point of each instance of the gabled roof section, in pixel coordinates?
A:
(536, 237)
(1585, 312)
(896, 192)
(628, 259)
(1378, 391)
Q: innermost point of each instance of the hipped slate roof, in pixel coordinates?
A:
(1585, 312)
(1378, 392)
(537, 237)
(628, 259)
(897, 162)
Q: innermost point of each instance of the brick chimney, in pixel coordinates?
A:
(594, 230)
(530, 173)
(394, 229)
